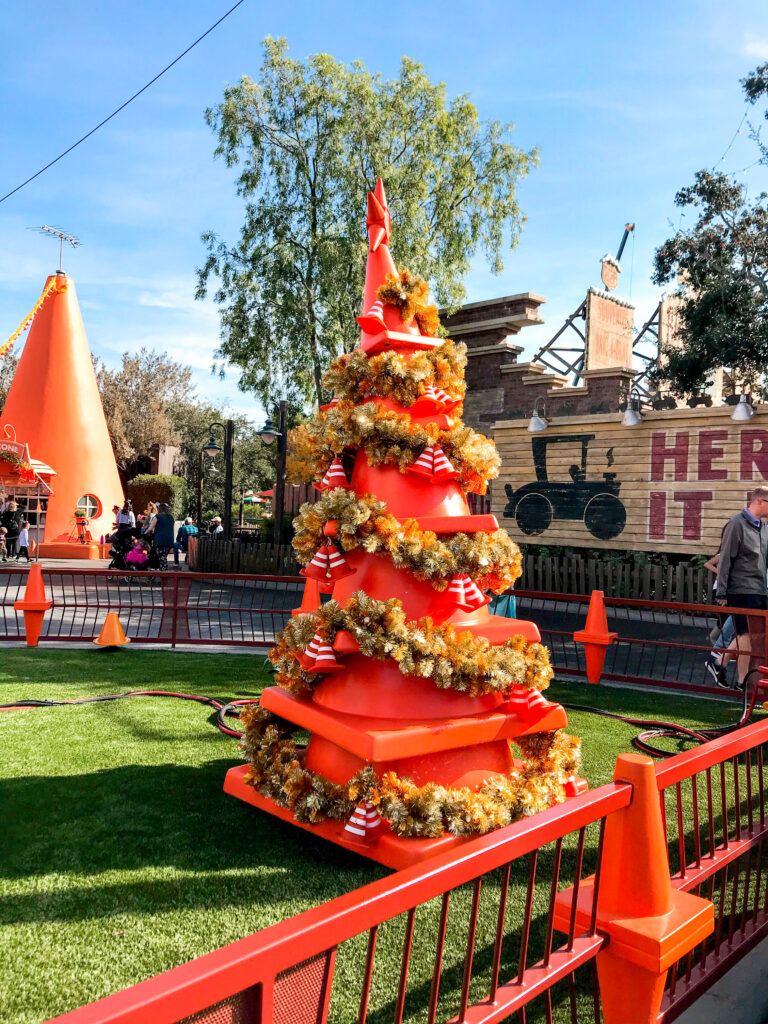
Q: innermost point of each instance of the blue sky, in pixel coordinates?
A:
(625, 101)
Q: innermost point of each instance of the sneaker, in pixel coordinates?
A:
(716, 672)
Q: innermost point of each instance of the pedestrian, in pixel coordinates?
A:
(3, 548)
(216, 527)
(161, 531)
(23, 540)
(741, 580)
(150, 512)
(8, 498)
(186, 530)
(11, 520)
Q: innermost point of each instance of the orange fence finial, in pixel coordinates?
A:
(34, 605)
(595, 636)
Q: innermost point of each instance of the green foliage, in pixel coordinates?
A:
(309, 139)
(172, 489)
(8, 364)
(720, 263)
(254, 464)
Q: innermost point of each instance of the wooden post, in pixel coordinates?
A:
(229, 457)
(279, 496)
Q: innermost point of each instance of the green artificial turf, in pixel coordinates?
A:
(121, 857)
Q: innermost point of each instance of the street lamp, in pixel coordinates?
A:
(211, 449)
(268, 435)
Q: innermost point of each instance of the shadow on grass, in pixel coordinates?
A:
(135, 818)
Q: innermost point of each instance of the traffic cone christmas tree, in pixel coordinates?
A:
(412, 691)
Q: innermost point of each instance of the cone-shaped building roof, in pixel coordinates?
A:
(55, 407)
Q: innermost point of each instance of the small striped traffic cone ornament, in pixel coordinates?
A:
(434, 464)
(365, 824)
(466, 592)
(437, 400)
(327, 566)
(372, 321)
(334, 477)
(325, 659)
(527, 702)
(310, 654)
(333, 402)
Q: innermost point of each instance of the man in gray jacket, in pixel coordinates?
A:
(741, 577)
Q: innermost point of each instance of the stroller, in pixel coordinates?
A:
(121, 544)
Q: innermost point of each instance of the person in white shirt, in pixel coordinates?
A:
(23, 541)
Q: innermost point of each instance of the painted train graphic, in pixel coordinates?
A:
(533, 506)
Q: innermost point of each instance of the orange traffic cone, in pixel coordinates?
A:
(334, 477)
(345, 643)
(34, 605)
(310, 599)
(111, 634)
(595, 636)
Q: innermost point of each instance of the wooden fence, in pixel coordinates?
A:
(553, 574)
(562, 574)
(225, 556)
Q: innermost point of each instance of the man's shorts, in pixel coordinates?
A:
(745, 601)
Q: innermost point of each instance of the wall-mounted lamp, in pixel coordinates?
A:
(742, 410)
(538, 421)
(633, 414)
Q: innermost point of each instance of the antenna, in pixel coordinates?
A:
(62, 237)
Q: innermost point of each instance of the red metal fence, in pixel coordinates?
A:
(474, 928)
(170, 607)
(659, 644)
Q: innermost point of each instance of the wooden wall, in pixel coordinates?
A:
(667, 485)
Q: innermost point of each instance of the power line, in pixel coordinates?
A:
(728, 147)
(123, 105)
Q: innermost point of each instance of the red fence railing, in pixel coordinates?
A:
(658, 644)
(713, 807)
(469, 936)
(163, 607)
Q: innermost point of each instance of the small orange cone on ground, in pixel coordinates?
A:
(34, 605)
(111, 634)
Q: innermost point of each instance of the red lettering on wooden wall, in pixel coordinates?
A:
(657, 516)
(678, 453)
(692, 502)
(709, 451)
(754, 453)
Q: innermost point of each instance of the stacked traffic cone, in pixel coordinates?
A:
(111, 634)
(368, 720)
(34, 605)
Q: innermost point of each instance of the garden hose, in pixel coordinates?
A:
(224, 710)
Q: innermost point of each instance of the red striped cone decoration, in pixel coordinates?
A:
(372, 321)
(466, 592)
(325, 661)
(527, 702)
(330, 405)
(364, 825)
(327, 566)
(334, 477)
(434, 464)
(308, 658)
(437, 399)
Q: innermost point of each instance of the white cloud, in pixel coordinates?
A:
(756, 46)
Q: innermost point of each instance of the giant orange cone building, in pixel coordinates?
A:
(412, 692)
(54, 406)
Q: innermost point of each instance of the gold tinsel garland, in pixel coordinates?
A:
(452, 660)
(491, 559)
(408, 292)
(389, 438)
(412, 811)
(357, 376)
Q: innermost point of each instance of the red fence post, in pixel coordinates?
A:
(650, 924)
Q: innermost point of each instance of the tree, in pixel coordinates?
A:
(8, 364)
(721, 266)
(309, 140)
(136, 400)
(254, 464)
